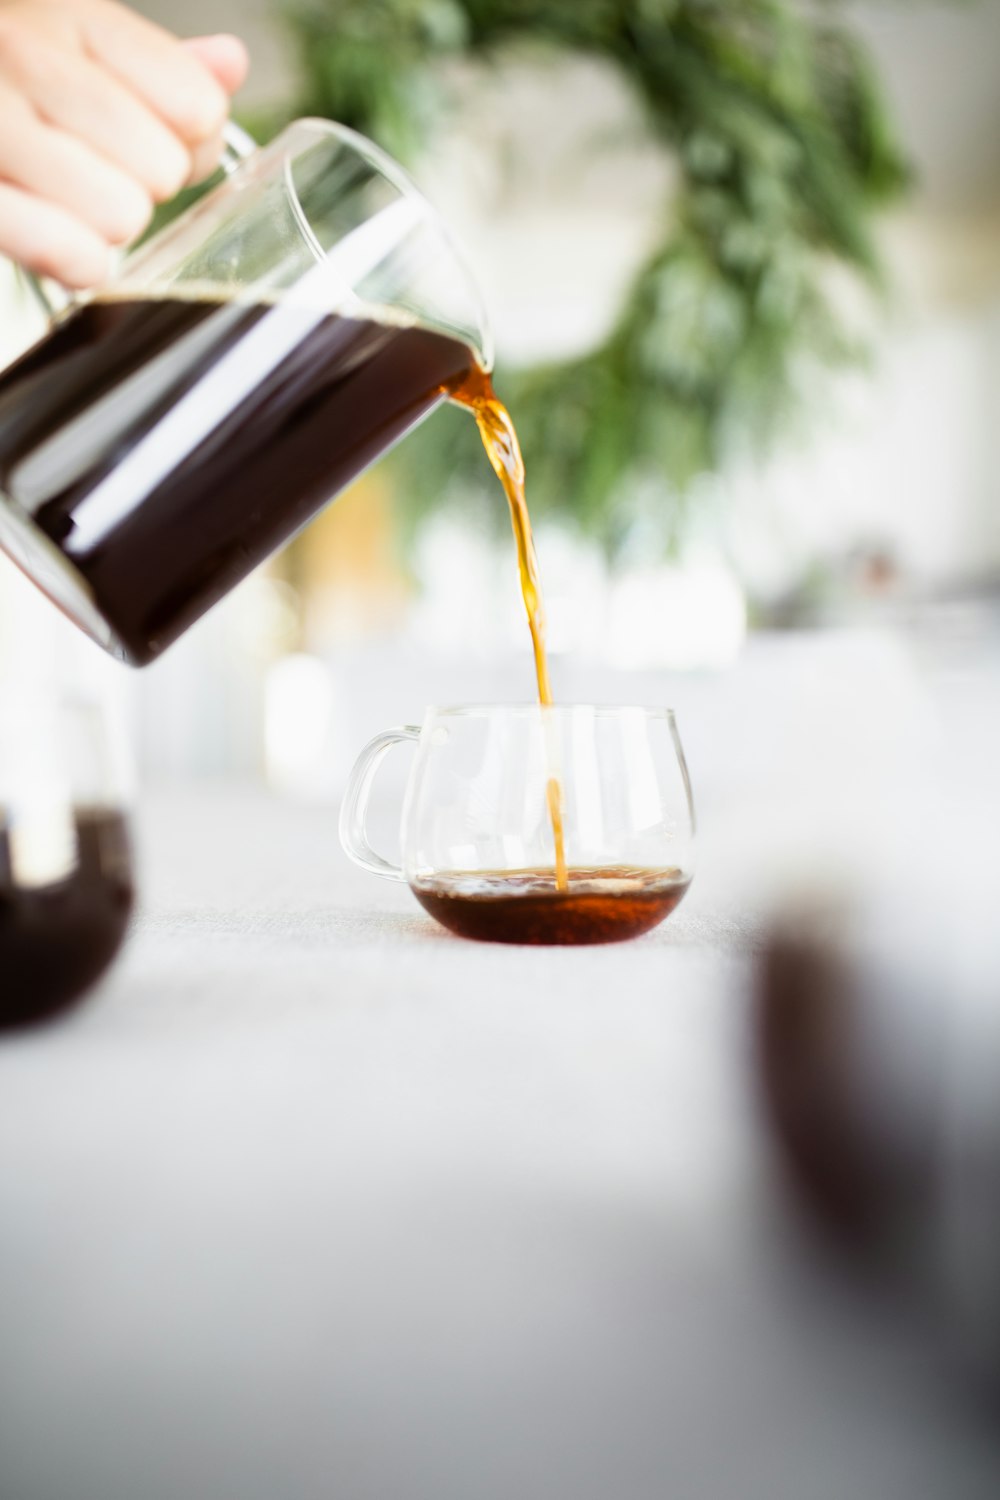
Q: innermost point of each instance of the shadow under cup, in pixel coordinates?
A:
(66, 882)
(488, 789)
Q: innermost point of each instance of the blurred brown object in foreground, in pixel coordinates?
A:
(851, 1103)
(878, 1035)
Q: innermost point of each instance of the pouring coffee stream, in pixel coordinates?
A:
(504, 451)
(148, 515)
(172, 430)
(176, 428)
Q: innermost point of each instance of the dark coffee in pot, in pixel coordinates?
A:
(154, 451)
(165, 447)
(65, 899)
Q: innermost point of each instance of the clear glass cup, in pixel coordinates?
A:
(66, 881)
(177, 426)
(478, 846)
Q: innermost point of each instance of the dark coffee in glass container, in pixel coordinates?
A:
(161, 448)
(66, 895)
(605, 905)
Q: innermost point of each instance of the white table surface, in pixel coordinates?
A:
(312, 1201)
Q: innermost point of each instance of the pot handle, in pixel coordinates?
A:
(237, 145)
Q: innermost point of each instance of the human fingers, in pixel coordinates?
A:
(224, 56)
(65, 171)
(75, 94)
(168, 77)
(205, 159)
(49, 240)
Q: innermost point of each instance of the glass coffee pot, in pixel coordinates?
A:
(177, 426)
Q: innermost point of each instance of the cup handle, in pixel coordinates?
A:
(354, 810)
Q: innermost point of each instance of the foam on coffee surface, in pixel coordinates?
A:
(594, 904)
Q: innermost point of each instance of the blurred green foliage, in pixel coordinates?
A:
(776, 118)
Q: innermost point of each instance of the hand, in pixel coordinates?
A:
(102, 116)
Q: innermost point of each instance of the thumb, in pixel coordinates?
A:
(225, 57)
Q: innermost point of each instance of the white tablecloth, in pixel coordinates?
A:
(314, 1200)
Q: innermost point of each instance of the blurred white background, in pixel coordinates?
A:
(892, 499)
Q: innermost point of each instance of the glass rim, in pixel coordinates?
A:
(597, 710)
(398, 177)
